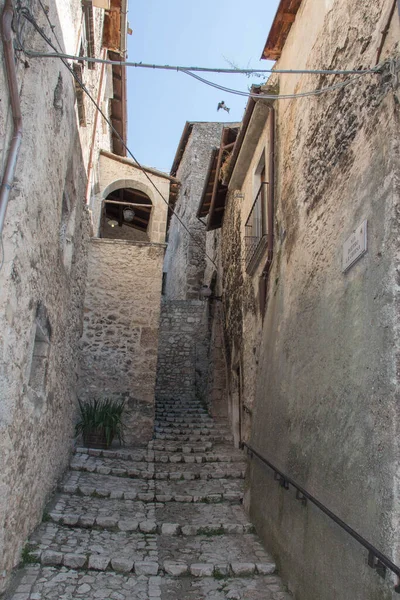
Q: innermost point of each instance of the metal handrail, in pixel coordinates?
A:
(376, 559)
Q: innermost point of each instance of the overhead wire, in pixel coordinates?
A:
(191, 71)
(27, 14)
(220, 70)
(316, 92)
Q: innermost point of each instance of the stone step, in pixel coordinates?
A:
(150, 554)
(187, 405)
(146, 470)
(174, 437)
(49, 583)
(107, 486)
(122, 453)
(189, 420)
(199, 430)
(206, 426)
(147, 517)
(184, 446)
(190, 456)
(258, 587)
(182, 414)
(161, 456)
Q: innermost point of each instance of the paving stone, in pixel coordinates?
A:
(50, 557)
(170, 528)
(243, 569)
(99, 562)
(165, 522)
(146, 568)
(122, 565)
(74, 561)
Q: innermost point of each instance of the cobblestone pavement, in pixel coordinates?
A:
(164, 523)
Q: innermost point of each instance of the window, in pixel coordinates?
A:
(41, 349)
(256, 232)
(80, 97)
(87, 40)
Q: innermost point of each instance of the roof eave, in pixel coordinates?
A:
(280, 29)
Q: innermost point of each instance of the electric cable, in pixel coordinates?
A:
(191, 72)
(236, 71)
(27, 14)
(317, 92)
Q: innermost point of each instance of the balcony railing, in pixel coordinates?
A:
(255, 237)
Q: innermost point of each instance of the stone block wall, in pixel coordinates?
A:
(185, 261)
(118, 355)
(326, 404)
(42, 275)
(182, 361)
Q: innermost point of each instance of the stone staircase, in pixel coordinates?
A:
(165, 522)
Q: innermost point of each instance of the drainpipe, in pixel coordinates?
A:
(9, 171)
(270, 215)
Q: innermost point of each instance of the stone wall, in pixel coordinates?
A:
(42, 276)
(182, 356)
(185, 261)
(326, 388)
(120, 338)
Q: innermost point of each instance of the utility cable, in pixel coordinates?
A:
(191, 71)
(317, 92)
(27, 15)
(235, 71)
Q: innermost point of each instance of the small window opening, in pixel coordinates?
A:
(256, 234)
(164, 283)
(41, 350)
(80, 96)
(88, 32)
(126, 215)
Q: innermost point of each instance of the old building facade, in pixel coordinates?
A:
(82, 245)
(311, 334)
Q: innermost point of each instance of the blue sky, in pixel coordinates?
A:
(206, 33)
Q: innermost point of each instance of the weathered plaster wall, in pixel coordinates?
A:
(184, 260)
(326, 401)
(115, 174)
(42, 286)
(182, 358)
(120, 338)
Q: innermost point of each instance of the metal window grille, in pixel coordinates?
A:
(256, 234)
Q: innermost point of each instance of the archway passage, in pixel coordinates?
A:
(126, 215)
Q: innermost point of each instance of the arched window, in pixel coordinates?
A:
(126, 215)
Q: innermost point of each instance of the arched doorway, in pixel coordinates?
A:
(126, 215)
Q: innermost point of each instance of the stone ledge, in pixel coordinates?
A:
(127, 243)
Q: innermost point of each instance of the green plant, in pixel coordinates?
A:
(26, 557)
(101, 419)
(46, 517)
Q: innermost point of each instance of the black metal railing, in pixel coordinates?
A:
(376, 560)
(255, 229)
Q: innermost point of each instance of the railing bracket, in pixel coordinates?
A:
(376, 564)
(301, 498)
(282, 481)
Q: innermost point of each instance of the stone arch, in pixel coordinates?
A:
(128, 183)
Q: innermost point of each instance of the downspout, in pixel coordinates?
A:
(270, 213)
(9, 171)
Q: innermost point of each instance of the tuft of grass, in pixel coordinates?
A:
(26, 557)
(46, 517)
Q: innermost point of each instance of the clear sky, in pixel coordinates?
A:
(206, 33)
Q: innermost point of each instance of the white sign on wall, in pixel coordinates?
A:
(355, 246)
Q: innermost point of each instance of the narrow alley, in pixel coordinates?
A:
(163, 522)
(199, 300)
